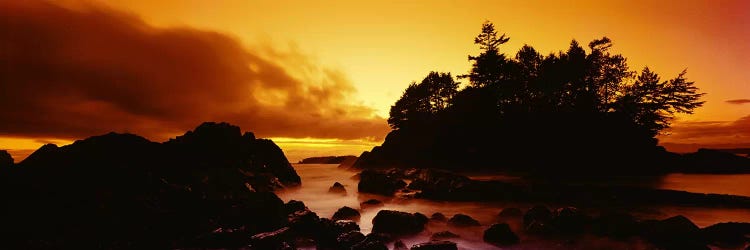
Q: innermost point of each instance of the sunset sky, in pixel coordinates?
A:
(320, 76)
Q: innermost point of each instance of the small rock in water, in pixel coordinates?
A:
(371, 203)
(444, 235)
(462, 220)
(539, 214)
(500, 234)
(398, 223)
(438, 217)
(436, 245)
(337, 188)
(346, 213)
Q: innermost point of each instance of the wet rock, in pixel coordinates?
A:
(349, 239)
(346, 213)
(438, 217)
(398, 223)
(272, 240)
(443, 235)
(371, 203)
(399, 245)
(539, 228)
(675, 232)
(462, 220)
(294, 206)
(337, 188)
(540, 214)
(304, 222)
(345, 226)
(569, 220)
(373, 241)
(436, 245)
(375, 182)
(510, 213)
(500, 235)
(728, 234)
(615, 225)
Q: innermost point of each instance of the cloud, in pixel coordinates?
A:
(711, 132)
(71, 73)
(739, 101)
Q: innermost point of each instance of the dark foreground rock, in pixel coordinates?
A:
(200, 189)
(337, 188)
(439, 217)
(6, 160)
(462, 220)
(617, 225)
(436, 245)
(377, 182)
(398, 223)
(346, 213)
(675, 232)
(500, 235)
(728, 235)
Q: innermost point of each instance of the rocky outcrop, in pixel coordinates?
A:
(377, 182)
(714, 162)
(500, 235)
(675, 232)
(462, 220)
(436, 245)
(398, 223)
(5, 159)
(371, 203)
(337, 188)
(728, 235)
(328, 159)
(201, 189)
(346, 213)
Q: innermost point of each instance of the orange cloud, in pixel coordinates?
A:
(739, 101)
(71, 73)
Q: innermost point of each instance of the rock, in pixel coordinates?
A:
(375, 182)
(346, 213)
(462, 220)
(328, 159)
(540, 214)
(443, 235)
(371, 203)
(436, 245)
(349, 239)
(337, 188)
(5, 159)
(294, 206)
(399, 245)
(438, 217)
(511, 212)
(398, 223)
(728, 234)
(675, 232)
(373, 241)
(539, 228)
(615, 225)
(500, 235)
(304, 222)
(346, 226)
(569, 220)
(272, 240)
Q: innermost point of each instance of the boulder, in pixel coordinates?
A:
(438, 217)
(436, 245)
(728, 234)
(510, 213)
(540, 214)
(462, 220)
(346, 213)
(675, 232)
(371, 203)
(294, 206)
(272, 240)
(373, 241)
(444, 235)
(337, 188)
(345, 226)
(398, 223)
(569, 220)
(376, 182)
(500, 235)
(349, 239)
(304, 222)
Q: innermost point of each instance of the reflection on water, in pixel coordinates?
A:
(317, 178)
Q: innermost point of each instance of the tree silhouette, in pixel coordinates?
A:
(421, 102)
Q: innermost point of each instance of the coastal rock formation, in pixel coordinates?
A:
(213, 181)
(376, 182)
(346, 213)
(337, 188)
(436, 245)
(6, 160)
(328, 159)
(462, 220)
(500, 235)
(398, 223)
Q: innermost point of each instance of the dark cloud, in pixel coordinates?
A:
(70, 73)
(739, 101)
(711, 132)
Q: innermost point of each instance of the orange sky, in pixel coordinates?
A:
(379, 47)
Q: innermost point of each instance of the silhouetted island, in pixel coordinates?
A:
(328, 159)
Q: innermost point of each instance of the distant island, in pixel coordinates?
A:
(329, 160)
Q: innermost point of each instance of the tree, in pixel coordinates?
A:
(489, 66)
(421, 102)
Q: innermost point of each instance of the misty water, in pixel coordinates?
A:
(317, 178)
